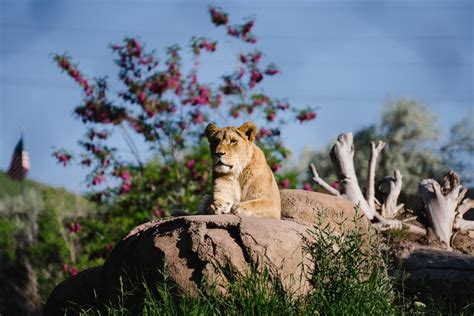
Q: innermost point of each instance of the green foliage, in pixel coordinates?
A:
(8, 231)
(49, 251)
(350, 272)
(38, 219)
(8, 187)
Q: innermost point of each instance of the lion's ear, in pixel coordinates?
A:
(211, 128)
(249, 129)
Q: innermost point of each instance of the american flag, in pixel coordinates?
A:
(20, 164)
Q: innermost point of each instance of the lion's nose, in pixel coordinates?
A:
(220, 153)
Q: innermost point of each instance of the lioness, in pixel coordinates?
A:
(242, 181)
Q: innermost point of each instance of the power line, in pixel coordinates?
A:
(93, 31)
(304, 95)
(81, 56)
(286, 5)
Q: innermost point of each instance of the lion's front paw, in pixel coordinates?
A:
(220, 207)
(238, 209)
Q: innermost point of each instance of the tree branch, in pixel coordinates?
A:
(342, 154)
(460, 223)
(390, 208)
(374, 154)
(323, 184)
(441, 203)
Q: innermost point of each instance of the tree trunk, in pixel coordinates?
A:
(444, 208)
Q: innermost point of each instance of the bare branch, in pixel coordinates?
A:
(342, 154)
(464, 225)
(323, 184)
(442, 203)
(460, 223)
(374, 154)
(465, 206)
(395, 224)
(390, 208)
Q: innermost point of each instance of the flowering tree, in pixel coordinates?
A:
(168, 107)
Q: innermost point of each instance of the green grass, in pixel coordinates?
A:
(9, 187)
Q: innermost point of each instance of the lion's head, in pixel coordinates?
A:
(231, 147)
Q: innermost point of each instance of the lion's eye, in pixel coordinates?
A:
(233, 141)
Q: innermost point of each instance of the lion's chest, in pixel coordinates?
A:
(227, 190)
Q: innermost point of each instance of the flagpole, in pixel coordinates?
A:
(22, 182)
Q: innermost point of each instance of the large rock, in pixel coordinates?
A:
(321, 209)
(195, 249)
(439, 275)
(203, 248)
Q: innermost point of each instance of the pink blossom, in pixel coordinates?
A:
(218, 17)
(159, 212)
(265, 132)
(335, 185)
(62, 157)
(141, 97)
(125, 187)
(72, 272)
(125, 175)
(74, 227)
(232, 31)
(285, 183)
(271, 70)
(306, 116)
(271, 116)
(275, 167)
(98, 179)
(247, 27)
(307, 187)
(191, 163)
(198, 119)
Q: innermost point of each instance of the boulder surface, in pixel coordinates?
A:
(192, 250)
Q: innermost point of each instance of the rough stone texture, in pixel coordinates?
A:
(195, 248)
(75, 293)
(319, 208)
(443, 276)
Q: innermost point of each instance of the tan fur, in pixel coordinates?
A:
(242, 181)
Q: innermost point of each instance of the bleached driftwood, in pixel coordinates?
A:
(445, 206)
(390, 208)
(342, 155)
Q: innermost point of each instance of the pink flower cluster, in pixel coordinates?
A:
(74, 227)
(71, 271)
(98, 178)
(126, 185)
(307, 187)
(65, 64)
(306, 115)
(218, 17)
(62, 156)
(244, 31)
(285, 183)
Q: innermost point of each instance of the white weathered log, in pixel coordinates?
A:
(389, 207)
(375, 151)
(342, 155)
(459, 222)
(323, 184)
(441, 208)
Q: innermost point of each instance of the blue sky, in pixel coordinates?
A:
(346, 57)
